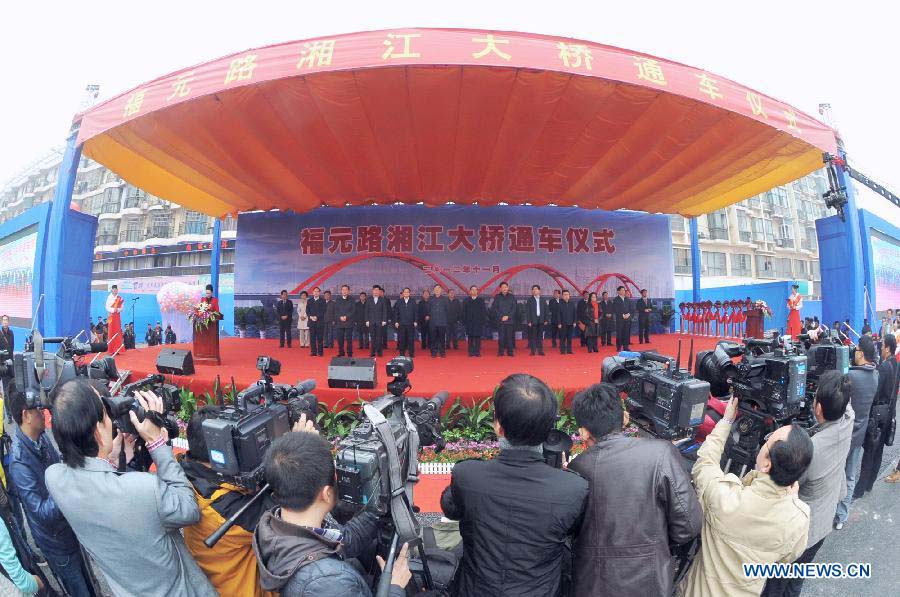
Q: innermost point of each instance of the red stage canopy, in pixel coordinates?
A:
(441, 115)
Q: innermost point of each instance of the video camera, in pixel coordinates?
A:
(238, 438)
(770, 385)
(668, 398)
(39, 374)
(124, 402)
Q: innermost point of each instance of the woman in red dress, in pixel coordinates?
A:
(114, 319)
(795, 303)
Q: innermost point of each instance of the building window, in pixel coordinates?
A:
(783, 268)
(682, 261)
(227, 256)
(160, 227)
(814, 270)
(196, 223)
(718, 225)
(193, 258)
(744, 226)
(765, 268)
(800, 270)
(713, 264)
(741, 265)
(678, 224)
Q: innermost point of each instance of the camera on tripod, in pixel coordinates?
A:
(664, 398)
(238, 438)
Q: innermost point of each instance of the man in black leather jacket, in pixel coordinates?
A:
(638, 480)
(516, 513)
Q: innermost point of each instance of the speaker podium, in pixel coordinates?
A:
(206, 345)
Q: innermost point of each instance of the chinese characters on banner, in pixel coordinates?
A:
(486, 238)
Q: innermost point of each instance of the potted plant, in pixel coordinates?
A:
(665, 316)
(262, 318)
(240, 318)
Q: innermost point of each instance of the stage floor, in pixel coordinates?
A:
(465, 377)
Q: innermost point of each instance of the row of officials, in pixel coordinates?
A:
(322, 320)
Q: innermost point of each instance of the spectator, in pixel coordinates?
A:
(759, 519)
(32, 452)
(884, 409)
(128, 336)
(170, 334)
(296, 555)
(863, 385)
(651, 489)
(129, 523)
(150, 336)
(15, 574)
(822, 486)
(230, 564)
(516, 513)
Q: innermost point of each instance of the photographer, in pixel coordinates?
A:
(516, 513)
(129, 523)
(822, 485)
(757, 519)
(32, 452)
(638, 479)
(230, 564)
(884, 409)
(863, 386)
(296, 555)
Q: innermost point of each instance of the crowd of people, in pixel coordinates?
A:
(437, 320)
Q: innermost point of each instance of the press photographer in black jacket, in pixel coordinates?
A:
(516, 513)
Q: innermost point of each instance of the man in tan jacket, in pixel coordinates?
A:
(758, 520)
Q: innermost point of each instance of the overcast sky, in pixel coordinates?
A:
(804, 53)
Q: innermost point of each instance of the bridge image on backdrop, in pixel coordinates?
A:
(497, 120)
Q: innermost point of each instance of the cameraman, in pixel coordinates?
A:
(230, 564)
(32, 452)
(296, 555)
(822, 485)
(516, 513)
(129, 523)
(637, 479)
(863, 386)
(757, 519)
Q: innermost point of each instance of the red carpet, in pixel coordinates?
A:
(468, 378)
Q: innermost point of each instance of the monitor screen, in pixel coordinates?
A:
(886, 263)
(17, 255)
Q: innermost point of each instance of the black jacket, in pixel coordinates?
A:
(642, 304)
(553, 308)
(284, 308)
(621, 306)
(7, 340)
(516, 514)
(606, 309)
(653, 492)
(439, 309)
(359, 312)
(423, 310)
(531, 315)
(474, 316)
(454, 314)
(315, 308)
(329, 311)
(405, 312)
(504, 305)
(377, 312)
(343, 307)
(568, 312)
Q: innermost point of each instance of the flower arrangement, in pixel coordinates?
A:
(762, 306)
(201, 315)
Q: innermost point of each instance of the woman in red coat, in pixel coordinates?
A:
(795, 303)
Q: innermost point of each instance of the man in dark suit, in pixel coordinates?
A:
(330, 333)
(423, 314)
(568, 314)
(504, 310)
(405, 323)
(644, 308)
(439, 310)
(553, 309)
(315, 311)
(284, 311)
(536, 316)
(607, 317)
(516, 513)
(474, 315)
(453, 316)
(376, 321)
(581, 313)
(343, 321)
(359, 320)
(622, 310)
(7, 338)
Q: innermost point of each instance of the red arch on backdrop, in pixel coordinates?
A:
(509, 274)
(325, 273)
(602, 278)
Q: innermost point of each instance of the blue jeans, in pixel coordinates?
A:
(70, 571)
(851, 470)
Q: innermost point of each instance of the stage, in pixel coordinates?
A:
(465, 377)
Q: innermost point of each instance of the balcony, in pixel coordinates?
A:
(196, 227)
(134, 200)
(718, 233)
(160, 232)
(683, 269)
(784, 243)
(745, 236)
(106, 240)
(131, 236)
(111, 208)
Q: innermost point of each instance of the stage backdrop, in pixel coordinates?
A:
(458, 246)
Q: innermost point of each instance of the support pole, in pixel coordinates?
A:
(214, 256)
(54, 256)
(695, 259)
(856, 274)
